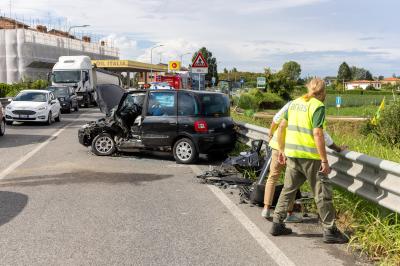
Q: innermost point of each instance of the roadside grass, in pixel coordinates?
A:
(374, 231)
(362, 111)
(349, 100)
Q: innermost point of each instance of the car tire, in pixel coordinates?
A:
(58, 118)
(49, 119)
(103, 145)
(76, 109)
(2, 127)
(185, 151)
(9, 123)
(69, 109)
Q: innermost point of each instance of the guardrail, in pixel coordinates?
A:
(375, 179)
(5, 101)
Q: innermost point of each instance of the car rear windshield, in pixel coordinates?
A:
(31, 97)
(59, 91)
(212, 104)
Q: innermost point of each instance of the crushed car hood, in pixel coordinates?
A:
(108, 97)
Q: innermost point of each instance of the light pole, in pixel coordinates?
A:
(151, 59)
(69, 30)
(181, 56)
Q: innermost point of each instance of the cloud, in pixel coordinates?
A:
(370, 38)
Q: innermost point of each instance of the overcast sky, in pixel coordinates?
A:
(248, 35)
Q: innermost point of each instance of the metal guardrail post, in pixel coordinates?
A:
(373, 178)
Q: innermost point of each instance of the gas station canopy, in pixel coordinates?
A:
(129, 66)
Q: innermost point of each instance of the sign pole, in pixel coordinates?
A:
(199, 80)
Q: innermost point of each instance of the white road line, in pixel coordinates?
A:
(269, 247)
(15, 165)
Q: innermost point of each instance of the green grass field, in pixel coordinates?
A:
(358, 111)
(375, 231)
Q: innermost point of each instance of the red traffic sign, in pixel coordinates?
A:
(174, 65)
(199, 61)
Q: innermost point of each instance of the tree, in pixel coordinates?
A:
(225, 70)
(368, 76)
(381, 77)
(291, 70)
(279, 83)
(344, 72)
(212, 64)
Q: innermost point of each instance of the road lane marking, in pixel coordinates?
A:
(266, 244)
(16, 164)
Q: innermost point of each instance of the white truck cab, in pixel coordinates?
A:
(79, 73)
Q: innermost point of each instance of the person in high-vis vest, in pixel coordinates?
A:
(276, 168)
(301, 147)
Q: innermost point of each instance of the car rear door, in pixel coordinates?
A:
(159, 126)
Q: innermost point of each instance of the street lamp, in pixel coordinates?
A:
(151, 59)
(181, 56)
(69, 30)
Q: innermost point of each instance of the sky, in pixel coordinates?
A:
(247, 34)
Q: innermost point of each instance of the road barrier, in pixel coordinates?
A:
(372, 178)
(5, 101)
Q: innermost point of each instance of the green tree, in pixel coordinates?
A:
(279, 84)
(368, 76)
(212, 64)
(344, 72)
(291, 70)
(225, 70)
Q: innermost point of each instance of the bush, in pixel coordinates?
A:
(388, 126)
(10, 90)
(256, 100)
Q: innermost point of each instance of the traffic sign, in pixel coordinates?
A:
(338, 101)
(213, 80)
(199, 61)
(261, 82)
(174, 65)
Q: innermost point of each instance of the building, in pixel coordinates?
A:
(362, 84)
(28, 53)
(329, 81)
(391, 81)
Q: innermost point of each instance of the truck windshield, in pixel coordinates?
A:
(66, 76)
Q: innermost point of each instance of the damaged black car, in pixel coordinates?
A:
(188, 123)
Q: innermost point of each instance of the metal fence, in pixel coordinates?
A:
(375, 179)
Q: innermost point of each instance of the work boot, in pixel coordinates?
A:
(334, 236)
(279, 229)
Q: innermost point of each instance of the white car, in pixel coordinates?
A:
(33, 106)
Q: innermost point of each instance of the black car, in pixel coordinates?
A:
(186, 122)
(67, 97)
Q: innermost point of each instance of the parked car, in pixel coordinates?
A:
(33, 106)
(2, 121)
(67, 97)
(185, 122)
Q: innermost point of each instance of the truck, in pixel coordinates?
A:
(178, 80)
(79, 73)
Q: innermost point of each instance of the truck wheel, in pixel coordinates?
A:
(103, 145)
(185, 151)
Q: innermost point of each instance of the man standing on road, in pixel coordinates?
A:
(303, 151)
(276, 168)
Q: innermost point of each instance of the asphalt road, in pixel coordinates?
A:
(62, 205)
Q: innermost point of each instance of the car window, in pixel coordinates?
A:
(213, 104)
(161, 104)
(31, 97)
(187, 104)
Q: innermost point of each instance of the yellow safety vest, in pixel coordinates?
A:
(299, 141)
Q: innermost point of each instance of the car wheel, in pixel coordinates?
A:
(49, 119)
(185, 151)
(58, 118)
(76, 107)
(9, 123)
(103, 145)
(69, 108)
(2, 127)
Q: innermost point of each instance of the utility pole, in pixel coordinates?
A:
(151, 60)
(69, 30)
